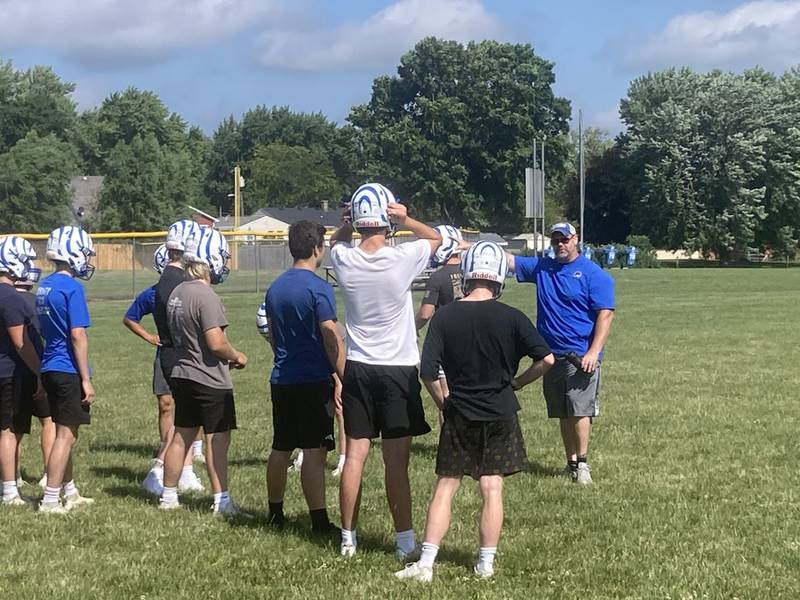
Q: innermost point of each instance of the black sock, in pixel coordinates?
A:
(275, 512)
(573, 465)
(582, 459)
(319, 519)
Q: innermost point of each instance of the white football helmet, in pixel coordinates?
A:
(485, 261)
(262, 322)
(368, 206)
(16, 259)
(451, 238)
(209, 246)
(73, 246)
(160, 258)
(179, 233)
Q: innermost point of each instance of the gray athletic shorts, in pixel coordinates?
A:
(160, 385)
(571, 392)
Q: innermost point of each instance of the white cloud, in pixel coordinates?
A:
(100, 32)
(606, 119)
(380, 39)
(765, 33)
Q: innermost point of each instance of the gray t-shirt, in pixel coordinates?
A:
(193, 309)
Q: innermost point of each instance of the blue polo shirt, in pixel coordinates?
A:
(568, 297)
(61, 306)
(143, 305)
(297, 302)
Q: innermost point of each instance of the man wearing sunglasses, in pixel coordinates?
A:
(574, 310)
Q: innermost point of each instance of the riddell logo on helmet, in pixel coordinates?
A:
(486, 276)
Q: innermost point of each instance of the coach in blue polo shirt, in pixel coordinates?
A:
(574, 310)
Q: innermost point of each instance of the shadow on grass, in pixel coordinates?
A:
(140, 449)
(132, 488)
(540, 470)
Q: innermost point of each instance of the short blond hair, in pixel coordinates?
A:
(196, 270)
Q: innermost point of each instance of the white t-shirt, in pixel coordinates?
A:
(377, 298)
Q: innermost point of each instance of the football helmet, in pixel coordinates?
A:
(451, 237)
(160, 258)
(368, 206)
(209, 246)
(72, 245)
(179, 233)
(16, 259)
(262, 322)
(485, 261)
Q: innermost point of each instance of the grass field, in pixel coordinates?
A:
(694, 457)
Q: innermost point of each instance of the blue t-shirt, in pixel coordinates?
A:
(297, 302)
(143, 305)
(568, 297)
(61, 306)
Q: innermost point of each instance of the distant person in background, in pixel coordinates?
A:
(308, 351)
(610, 255)
(630, 256)
(143, 305)
(574, 310)
(66, 375)
(550, 253)
(586, 251)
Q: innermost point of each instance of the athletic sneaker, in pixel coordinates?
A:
(190, 482)
(337, 472)
(154, 483)
(229, 509)
(414, 572)
(199, 457)
(53, 508)
(73, 500)
(568, 472)
(407, 557)
(483, 571)
(584, 475)
(43, 481)
(14, 501)
(347, 550)
(20, 481)
(168, 505)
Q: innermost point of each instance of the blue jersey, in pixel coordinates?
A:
(631, 254)
(143, 305)
(568, 297)
(61, 306)
(297, 302)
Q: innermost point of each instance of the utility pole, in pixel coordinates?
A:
(582, 180)
(543, 227)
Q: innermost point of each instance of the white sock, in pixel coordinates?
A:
(169, 495)
(197, 448)
(50, 495)
(222, 497)
(349, 537)
(340, 464)
(428, 555)
(405, 540)
(10, 490)
(486, 557)
(69, 488)
(186, 470)
(299, 459)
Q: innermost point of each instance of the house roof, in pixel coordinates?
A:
(85, 190)
(329, 219)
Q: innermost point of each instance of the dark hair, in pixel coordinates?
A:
(304, 236)
(471, 284)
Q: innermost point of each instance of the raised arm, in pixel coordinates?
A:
(398, 213)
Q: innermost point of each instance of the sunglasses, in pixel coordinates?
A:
(559, 241)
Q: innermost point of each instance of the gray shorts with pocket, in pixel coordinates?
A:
(160, 385)
(571, 392)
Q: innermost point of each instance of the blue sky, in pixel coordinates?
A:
(208, 59)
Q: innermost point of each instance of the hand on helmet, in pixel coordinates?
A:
(398, 213)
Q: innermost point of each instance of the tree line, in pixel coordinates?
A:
(708, 161)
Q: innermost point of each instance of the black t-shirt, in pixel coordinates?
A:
(444, 286)
(12, 314)
(33, 329)
(479, 346)
(170, 278)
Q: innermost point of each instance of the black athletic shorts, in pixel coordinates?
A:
(25, 386)
(302, 416)
(382, 400)
(65, 395)
(198, 405)
(15, 414)
(478, 448)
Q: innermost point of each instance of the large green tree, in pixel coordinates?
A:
(451, 133)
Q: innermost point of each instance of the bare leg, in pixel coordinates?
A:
(47, 438)
(492, 511)
(398, 489)
(9, 453)
(166, 421)
(582, 428)
(59, 464)
(312, 477)
(440, 509)
(175, 455)
(350, 485)
(277, 464)
(568, 437)
(217, 460)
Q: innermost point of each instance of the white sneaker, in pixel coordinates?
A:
(74, 500)
(407, 557)
(483, 571)
(43, 481)
(229, 509)
(584, 476)
(53, 508)
(199, 457)
(347, 550)
(171, 505)
(190, 482)
(20, 481)
(337, 472)
(414, 572)
(14, 501)
(153, 483)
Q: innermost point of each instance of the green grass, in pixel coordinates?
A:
(694, 458)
